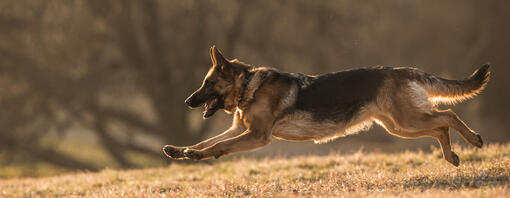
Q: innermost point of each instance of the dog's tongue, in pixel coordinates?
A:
(210, 107)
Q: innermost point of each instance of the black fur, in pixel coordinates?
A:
(339, 96)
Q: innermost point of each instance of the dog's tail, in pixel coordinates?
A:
(446, 91)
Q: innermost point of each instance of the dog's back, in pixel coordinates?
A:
(339, 96)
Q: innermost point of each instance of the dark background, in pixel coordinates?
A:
(95, 84)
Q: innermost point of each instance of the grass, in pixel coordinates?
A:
(482, 173)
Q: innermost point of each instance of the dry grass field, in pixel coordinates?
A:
(482, 173)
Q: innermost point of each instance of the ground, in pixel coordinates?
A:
(482, 173)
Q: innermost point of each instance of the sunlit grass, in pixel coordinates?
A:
(482, 173)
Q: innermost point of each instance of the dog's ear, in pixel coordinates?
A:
(211, 54)
(216, 56)
(220, 61)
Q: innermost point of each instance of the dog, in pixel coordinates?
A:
(267, 103)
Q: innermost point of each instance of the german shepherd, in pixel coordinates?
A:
(267, 103)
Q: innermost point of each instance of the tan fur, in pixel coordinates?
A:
(300, 126)
(438, 98)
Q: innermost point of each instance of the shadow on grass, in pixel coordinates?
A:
(477, 180)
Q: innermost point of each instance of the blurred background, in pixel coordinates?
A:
(88, 85)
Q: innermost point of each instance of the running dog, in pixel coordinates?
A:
(266, 103)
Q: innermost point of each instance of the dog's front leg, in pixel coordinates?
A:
(259, 122)
(236, 129)
(248, 140)
(177, 152)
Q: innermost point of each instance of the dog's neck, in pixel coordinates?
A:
(254, 77)
(249, 81)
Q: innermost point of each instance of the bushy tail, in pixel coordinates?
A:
(453, 91)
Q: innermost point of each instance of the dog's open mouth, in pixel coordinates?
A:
(212, 105)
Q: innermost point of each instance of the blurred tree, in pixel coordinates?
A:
(82, 58)
(121, 69)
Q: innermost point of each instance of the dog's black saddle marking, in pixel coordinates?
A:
(338, 96)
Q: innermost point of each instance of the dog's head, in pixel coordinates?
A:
(217, 86)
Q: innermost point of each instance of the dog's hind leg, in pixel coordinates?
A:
(455, 122)
(439, 118)
(441, 134)
(412, 109)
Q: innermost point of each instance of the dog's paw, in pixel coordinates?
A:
(174, 152)
(479, 142)
(193, 154)
(456, 160)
